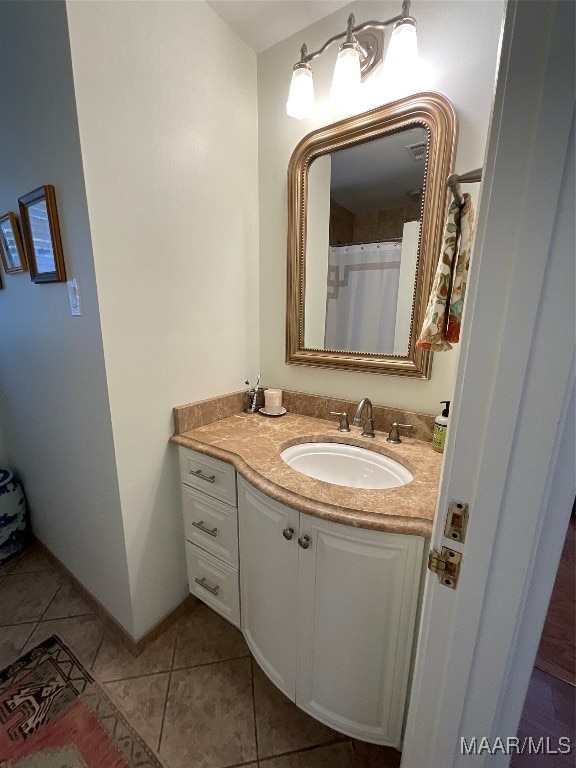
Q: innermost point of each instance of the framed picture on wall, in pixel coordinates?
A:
(41, 234)
(11, 251)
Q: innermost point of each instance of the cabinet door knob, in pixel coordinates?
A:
(288, 533)
(304, 542)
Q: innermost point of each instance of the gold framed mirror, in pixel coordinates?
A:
(367, 198)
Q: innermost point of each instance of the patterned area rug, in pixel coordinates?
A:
(53, 715)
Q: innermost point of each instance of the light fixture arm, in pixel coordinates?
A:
(352, 31)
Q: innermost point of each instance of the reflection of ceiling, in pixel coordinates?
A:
(378, 174)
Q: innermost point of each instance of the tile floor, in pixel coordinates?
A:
(195, 695)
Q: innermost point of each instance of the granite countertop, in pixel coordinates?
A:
(252, 444)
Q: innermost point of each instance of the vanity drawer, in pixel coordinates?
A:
(211, 524)
(211, 476)
(213, 582)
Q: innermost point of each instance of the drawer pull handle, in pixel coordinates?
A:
(304, 542)
(202, 476)
(202, 527)
(202, 582)
(288, 533)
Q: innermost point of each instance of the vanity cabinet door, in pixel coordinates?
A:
(357, 603)
(268, 583)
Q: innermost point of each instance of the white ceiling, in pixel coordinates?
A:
(377, 174)
(263, 23)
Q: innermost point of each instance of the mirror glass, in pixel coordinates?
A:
(367, 198)
(41, 237)
(364, 212)
(9, 244)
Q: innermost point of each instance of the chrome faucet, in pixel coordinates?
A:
(368, 430)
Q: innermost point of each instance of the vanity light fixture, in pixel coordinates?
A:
(347, 72)
(358, 55)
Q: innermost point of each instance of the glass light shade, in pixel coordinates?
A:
(346, 78)
(300, 102)
(401, 63)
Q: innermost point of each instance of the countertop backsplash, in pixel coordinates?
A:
(194, 415)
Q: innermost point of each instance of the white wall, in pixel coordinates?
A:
(458, 41)
(409, 258)
(54, 405)
(166, 97)
(317, 241)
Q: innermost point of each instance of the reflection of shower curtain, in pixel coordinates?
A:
(362, 297)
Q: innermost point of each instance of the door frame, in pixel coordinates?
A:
(511, 409)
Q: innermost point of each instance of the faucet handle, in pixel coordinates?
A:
(394, 435)
(344, 426)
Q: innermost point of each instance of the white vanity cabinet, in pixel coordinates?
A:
(211, 530)
(269, 583)
(329, 613)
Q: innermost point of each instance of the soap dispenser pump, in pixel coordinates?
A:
(440, 428)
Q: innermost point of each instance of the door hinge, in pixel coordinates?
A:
(447, 565)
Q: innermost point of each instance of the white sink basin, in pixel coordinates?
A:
(347, 465)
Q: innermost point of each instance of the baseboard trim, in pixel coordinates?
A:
(181, 610)
(556, 670)
(134, 646)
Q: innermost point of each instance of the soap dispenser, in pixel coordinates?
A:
(440, 428)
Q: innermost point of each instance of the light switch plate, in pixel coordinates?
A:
(74, 296)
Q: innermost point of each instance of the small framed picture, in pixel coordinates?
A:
(41, 234)
(11, 250)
